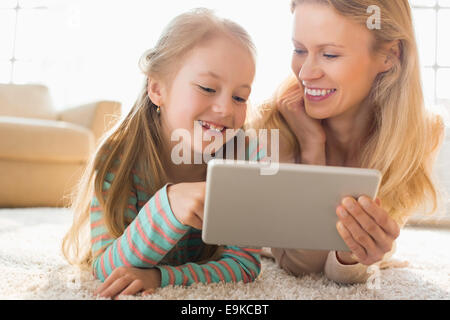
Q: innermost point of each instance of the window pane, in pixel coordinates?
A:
(443, 83)
(443, 37)
(5, 71)
(8, 4)
(7, 21)
(27, 71)
(425, 25)
(35, 3)
(428, 85)
(33, 30)
(427, 3)
(444, 3)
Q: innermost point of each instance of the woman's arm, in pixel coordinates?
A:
(350, 273)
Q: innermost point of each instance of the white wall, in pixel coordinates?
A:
(89, 49)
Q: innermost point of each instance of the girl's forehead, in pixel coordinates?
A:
(217, 57)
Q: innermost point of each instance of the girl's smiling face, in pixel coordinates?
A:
(209, 91)
(332, 60)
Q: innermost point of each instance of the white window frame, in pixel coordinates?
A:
(17, 10)
(435, 66)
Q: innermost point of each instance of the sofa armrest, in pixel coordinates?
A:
(99, 116)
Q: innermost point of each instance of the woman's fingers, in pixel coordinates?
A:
(357, 232)
(369, 225)
(381, 217)
(352, 244)
(364, 220)
(364, 239)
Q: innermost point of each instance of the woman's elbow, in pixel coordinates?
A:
(300, 262)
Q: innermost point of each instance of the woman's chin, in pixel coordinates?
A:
(317, 113)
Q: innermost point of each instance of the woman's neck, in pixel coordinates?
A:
(346, 135)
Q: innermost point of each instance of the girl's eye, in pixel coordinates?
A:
(239, 99)
(209, 90)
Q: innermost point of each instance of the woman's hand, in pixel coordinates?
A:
(187, 202)
(309, 132)
(129, 281)
(367, 229)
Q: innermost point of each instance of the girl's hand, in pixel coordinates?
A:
(187, 202)
(367, 229)
(129, 281)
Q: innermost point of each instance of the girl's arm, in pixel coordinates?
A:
(153, 232)
(235, 264)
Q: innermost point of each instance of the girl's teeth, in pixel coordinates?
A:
(211, 126)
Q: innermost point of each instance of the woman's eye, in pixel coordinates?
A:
(299, 52)
(330, 56)
(239, 99)
(209, 90)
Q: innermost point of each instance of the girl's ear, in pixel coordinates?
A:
(155, 91)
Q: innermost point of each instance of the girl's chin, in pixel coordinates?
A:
(208, 149)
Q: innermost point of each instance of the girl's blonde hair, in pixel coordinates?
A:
(404, 134)
(137, 141)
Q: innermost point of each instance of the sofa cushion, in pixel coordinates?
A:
(28, 101)
(44, 140)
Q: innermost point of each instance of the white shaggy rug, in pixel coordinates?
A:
(32, 267)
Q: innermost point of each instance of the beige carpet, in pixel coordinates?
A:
(31, 267)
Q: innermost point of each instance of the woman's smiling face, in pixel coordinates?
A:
(333, 60)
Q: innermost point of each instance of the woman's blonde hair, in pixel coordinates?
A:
(404, 134)
(137, 140)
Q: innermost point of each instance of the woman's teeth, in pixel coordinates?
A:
(319, 92)
(210, 126)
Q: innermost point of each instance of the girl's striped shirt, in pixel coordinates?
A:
(154, 238)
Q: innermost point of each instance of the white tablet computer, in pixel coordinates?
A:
(294, 208)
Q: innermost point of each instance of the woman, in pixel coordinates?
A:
(355, 100)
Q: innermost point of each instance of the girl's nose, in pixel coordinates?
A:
(224, 106)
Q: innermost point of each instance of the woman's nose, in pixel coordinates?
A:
(310, 71)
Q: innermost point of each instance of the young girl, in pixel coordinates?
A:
(355, 100)
(145, 212)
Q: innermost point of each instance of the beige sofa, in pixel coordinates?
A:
(43, 151)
